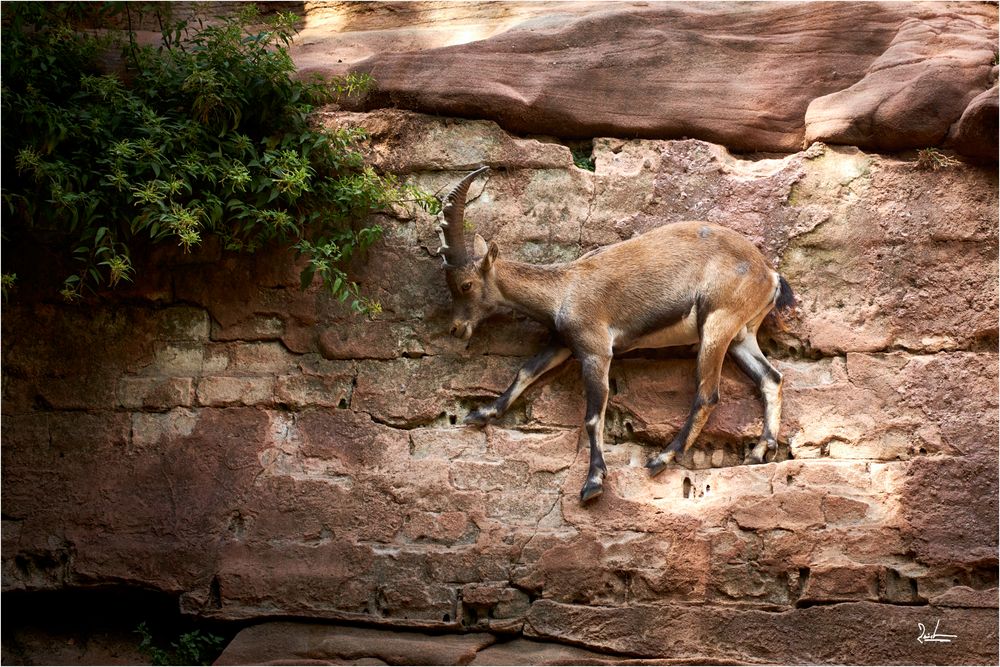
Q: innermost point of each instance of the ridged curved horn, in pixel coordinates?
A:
(452, 230)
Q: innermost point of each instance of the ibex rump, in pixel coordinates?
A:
(678, 284)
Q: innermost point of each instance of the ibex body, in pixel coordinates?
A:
(679, 284)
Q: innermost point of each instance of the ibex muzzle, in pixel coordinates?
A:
(679, 284)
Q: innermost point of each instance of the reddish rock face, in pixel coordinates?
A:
(262, 453)
(881, 76)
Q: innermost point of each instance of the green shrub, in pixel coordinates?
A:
(208, 134)
(191, 648)
(583, 156)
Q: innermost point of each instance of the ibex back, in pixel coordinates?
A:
(679, 284)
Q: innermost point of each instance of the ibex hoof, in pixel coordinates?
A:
(479, 417)
(658, 464)
(591, 490)
(759, 453)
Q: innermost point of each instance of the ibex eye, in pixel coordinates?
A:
(466, 287)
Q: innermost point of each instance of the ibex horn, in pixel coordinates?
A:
(452, 229)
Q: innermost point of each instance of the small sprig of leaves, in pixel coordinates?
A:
(931, 159)
(7, 281)
(209, 134)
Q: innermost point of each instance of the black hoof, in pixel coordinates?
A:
(591, 490)
(657, 464)
(477, 418)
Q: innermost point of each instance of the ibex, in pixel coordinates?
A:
(679, 284)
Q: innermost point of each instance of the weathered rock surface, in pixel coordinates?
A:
(973, 133)
(224, 436)
(282, 643)
(337, 34)
(881, 76)
(917, 89)
(304, 643)
(858, 633)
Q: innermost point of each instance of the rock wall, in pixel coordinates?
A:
(220, 434)
(216, 433)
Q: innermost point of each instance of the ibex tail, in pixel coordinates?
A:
(784, 304)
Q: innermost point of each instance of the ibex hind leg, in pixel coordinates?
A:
(595, 378)
(747, 355)
(535, 368)
(717, 332)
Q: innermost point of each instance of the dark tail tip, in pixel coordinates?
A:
(784, 304)
(786, 299)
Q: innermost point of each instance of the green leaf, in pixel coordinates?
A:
(306, 277)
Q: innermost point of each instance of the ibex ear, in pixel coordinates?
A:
(479, 248)
(486, 263)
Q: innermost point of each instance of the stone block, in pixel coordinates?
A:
(447, 443)
(151, 429)
(353, 441)
(439, 528)
(787, 510)
(963, 596)
(181, 323)
(254, 328)
(328, 390)
(221, 391)
(542, 452)
(359, 339)
(488, 475)
(260, 357)
(838, 510)
(839, 583)
(156, 393)
(323, 580)
(182, 358)
(77, 392)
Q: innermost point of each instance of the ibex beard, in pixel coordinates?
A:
(684, 283)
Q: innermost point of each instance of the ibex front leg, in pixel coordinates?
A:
(536, 367)
(595, 379)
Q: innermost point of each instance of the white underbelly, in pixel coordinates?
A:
(682, 332)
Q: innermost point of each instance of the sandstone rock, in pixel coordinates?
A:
(401, 142)
(914, 91)
(789, 510)
(219, 391)
(530, 652)
(859, 56)
(349, 491)
(283, 643)
(155, 393)
(837, 583)
(330, 386)
(975, 132)
(963, 596)
(944, 531)
(860, 632)
(338, 34)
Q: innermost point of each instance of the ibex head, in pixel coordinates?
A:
(471, 279)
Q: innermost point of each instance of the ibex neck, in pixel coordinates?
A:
(536, 291)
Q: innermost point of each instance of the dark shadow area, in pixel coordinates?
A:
(99, 626)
